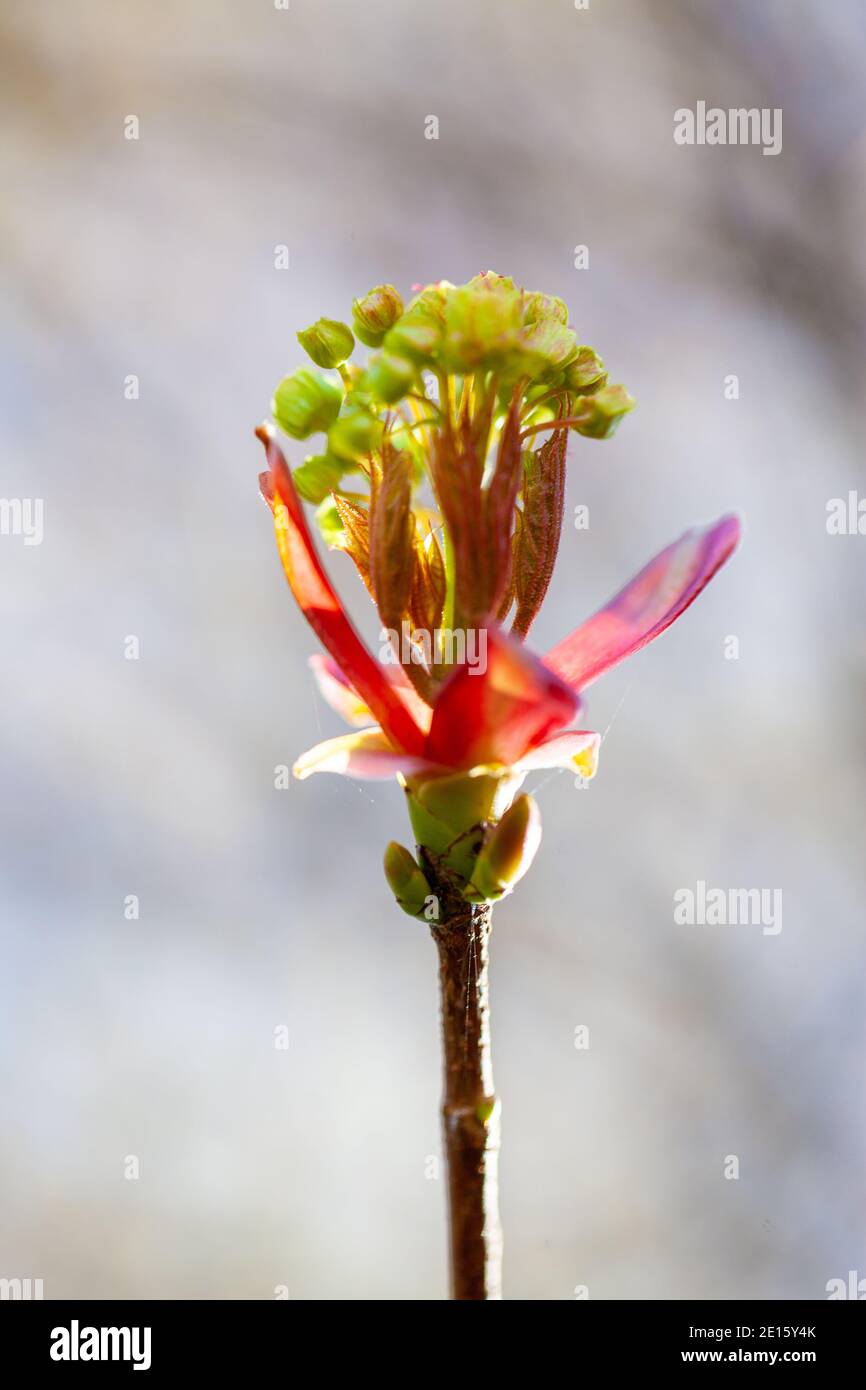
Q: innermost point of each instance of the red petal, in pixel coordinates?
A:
(496, 715)
(397, 707)
(645, 607)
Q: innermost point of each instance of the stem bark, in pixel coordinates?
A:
(470, 1108)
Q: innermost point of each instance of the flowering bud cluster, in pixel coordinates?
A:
(434, 475)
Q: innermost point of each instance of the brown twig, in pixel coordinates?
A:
(470, 1108)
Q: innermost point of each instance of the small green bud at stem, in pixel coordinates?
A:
(406, 880)
(510, 850)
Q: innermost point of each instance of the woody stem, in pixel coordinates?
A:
(470, 1109)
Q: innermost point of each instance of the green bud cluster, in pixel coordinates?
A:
(488, 332)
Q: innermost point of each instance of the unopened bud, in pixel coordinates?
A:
(406, 880)
(355, 433)
(389, 377)
(551, 344)
(328, 342)
(544, 306)
(416, 338)
(509, 851)
(482, 323)
(318, 476)
(418, 334)
(599, 414)
(584, 370)
(373, 315)
(306, 403)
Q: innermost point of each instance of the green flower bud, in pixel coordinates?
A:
(418, 333)
(429, 303)
(598, 415)
(584, 370)
(330, 523)
(327, 341)
(306, 403)
(483, 323)
(389, 378)
(373, 315)
(538, 307)
(489, 280)
(509, 851)
(318, 476)
(355, 433)
(415, 339)
(552, 345)
(406, 880)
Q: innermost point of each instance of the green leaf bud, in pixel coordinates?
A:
(406, 880)
(509, 850)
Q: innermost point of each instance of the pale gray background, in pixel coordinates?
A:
(261, 907)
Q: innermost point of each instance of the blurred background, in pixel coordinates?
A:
(309, 1167)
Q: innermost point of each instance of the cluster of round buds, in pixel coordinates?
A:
(475, 346)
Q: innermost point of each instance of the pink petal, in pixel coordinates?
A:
(575, 749)
(646, 606)
(336, 691)
(367, 755)
(494, 716)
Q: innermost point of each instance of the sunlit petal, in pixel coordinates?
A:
(646, 606)
(366, 754)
